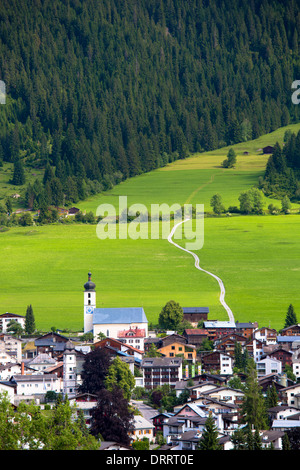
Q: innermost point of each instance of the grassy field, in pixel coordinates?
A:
(197, 178)
(257, 257)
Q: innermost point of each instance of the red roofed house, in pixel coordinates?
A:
(133, 337)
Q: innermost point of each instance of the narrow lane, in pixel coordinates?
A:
(197, 265)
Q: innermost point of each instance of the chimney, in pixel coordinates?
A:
(22, 368)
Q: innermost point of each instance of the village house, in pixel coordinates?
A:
(265, 335)
(268, 366)
(7, 317)
(194, 315)
(160, 371)
(291, 395)
(85, 402)
(141, 428)
(227, 343)
(218, 362)
(217, 329)
(35, 386)
(51, 343)
(293, 330)
(11, 346)
(133, 337)
(246, 329)
(195, 336)
(255, 348)
(188, 352)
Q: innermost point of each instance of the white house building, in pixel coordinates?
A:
(7, 317)
(110, 321)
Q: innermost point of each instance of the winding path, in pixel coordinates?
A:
(221, 284)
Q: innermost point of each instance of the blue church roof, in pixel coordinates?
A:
(119, 315)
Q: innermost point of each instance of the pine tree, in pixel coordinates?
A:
(29, 320)
(19, 175)
(291, 318)
(209, 439)
(253, 407)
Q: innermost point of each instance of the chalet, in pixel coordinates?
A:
(171, 338)
(255, 349)
(197, 390)
(216, 329)
(266, 335)
(227, 343)
(159, 371)
(158, 421)
(218, 361)
(291, 395)
(293, 330)
(268, 149)
(51, 343)
(224, 395)
(272, 438)
(195, 336)
(246, 329)
(7, 317)
(282, 355)
(290, 342)
(141, 428)
(73, 210)
(188, 351)
(194, 315)
(281, 412)
(41, 362)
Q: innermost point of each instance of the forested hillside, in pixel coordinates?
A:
(98, 91)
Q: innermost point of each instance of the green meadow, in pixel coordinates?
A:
(257, 257)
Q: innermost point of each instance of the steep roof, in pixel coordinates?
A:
(119, 315)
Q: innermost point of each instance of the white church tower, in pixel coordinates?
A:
(89, 304)
(69, 370)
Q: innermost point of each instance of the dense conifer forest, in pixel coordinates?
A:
(99, 91)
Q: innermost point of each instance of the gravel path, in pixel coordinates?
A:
(197, 265)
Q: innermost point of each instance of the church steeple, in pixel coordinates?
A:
(89, 303)
(89, 285)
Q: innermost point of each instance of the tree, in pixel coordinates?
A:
(230, 161)
(15, 327)
(170, 316)
(291, 318)
(238, 439)
(18, 178)
(65, 433)
(29, 321)
(251, 201)
(286, 205)
(111, 417)
(95, 368)
(8, 205)
(216, 204)
(253, 410)
(209, 439)
(26, 427)
(119, 376)
(272, 396)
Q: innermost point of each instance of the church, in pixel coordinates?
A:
(110, 321)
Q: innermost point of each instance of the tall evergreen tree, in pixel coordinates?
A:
(209, 439)
(291, 317)
(29, 320)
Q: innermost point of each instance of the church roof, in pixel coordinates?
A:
(119, 315)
